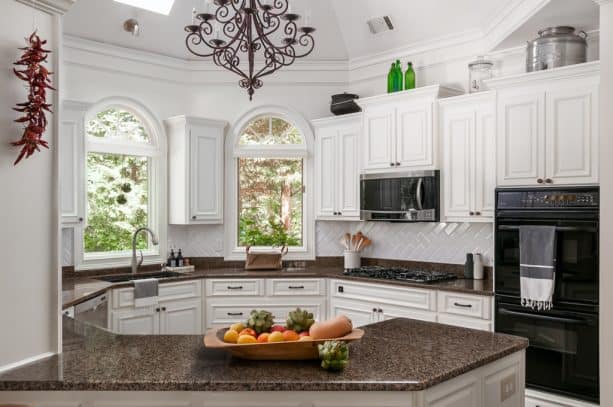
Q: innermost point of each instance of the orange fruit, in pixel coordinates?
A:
(231, 336)
(248, 331)
(275, 337)
(263, 338)
(290, 335)
(245, 339)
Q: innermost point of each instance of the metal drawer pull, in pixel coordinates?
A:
(296, 287)
(457, 304)
(235, 314)
(240, 287)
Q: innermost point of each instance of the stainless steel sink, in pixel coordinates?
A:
(119, 278)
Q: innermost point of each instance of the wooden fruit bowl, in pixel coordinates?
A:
(296, 350)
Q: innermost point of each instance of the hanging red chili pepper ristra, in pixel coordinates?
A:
(38, 78)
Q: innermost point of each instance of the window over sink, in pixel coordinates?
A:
(123, 185)
(269, 171)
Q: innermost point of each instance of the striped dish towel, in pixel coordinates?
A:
(537, 257)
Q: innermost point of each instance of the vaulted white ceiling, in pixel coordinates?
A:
(343, 33)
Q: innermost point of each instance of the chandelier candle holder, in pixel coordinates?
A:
(231, 30)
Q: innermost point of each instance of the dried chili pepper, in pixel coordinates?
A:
(34, 110)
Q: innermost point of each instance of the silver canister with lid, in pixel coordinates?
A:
(555, 47)
(479, 71)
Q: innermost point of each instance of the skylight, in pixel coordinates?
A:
(157, 6)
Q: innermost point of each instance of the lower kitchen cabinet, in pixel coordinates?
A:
(137, 321)
(178, 312)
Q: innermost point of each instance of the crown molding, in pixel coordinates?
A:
(439, 43)
(80, 52)
(584, 70)
(603, 2)
(59, 7)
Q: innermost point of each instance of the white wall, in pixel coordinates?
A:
(28, 210)
(606, 215)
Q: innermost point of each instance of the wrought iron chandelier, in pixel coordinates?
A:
(245, 28)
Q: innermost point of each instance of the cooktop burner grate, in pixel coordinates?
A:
(400, 274)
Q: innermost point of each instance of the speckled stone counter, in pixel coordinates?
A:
(395, 355)
(76, 290)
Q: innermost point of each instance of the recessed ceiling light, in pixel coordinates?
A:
(157, 6)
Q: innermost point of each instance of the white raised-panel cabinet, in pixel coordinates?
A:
(572, 133)
(196, 170)
(521, 138)
(469, 163)
(337, 167)
(360, 312)
(399, 131)
(548, 126)
(71, 147)
(181, 317)
(138, 321)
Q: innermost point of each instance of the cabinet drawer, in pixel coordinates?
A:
(220, 314)
(475, 306)
(289, 287)
(465, 322)
(384, 294)
(124, 297)
(234, 287)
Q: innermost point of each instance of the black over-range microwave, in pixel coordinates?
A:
(401, 197)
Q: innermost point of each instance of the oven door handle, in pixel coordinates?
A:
(505, 311)
(558, 228)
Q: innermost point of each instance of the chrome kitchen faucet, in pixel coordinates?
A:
(136, 264)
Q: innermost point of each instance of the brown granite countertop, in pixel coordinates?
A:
(395, 355)
(76, 289)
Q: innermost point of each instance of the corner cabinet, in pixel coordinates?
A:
(399, 130)
(337, 167)
(196, 170)
(548, 130)
(468, 127)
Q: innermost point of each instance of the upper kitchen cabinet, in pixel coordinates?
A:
(196, 171)
(548, 126)
(337, 167)
(468, 130)
(71, 147)
(399, 131)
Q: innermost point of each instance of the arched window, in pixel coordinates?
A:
(123, 184)
(271, 169)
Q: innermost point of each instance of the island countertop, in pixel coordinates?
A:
(394, 355)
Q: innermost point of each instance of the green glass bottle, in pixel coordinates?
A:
(391, 79)
(409, 77)
(398, 77)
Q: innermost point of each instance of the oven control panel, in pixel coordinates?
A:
(549, 198)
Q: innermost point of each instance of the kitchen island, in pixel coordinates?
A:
(400, 362)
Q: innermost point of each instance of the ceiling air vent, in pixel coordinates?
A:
(380, 24)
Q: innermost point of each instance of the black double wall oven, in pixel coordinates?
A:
(563, 352)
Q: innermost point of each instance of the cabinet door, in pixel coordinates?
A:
(327, 164)
(138, 321)
(572, 135)
(379, 132)
(414, 137)
(458, 140)
(485, 163)
(349, 173)
(361, 313)
(182, 317)
(460, 392)
(471, 323)
(206, 174)
(521, 139)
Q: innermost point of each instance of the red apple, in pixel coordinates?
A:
(305, 333)
(278, 328)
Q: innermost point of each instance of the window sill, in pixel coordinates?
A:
(98, 262)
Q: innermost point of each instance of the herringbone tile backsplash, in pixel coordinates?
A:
(431, 242)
